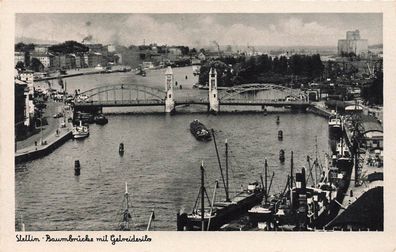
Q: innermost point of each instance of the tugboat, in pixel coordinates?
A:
(80, 131)
(100, 119)
(200, 132)
(219, 213)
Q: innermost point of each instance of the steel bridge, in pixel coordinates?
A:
(129, 95)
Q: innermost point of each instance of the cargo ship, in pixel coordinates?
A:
(335, 127)
(199, 131)
(215, 214)
(302, 207)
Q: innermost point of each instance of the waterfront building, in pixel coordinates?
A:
(46, 59)
(353, 44)
(67, 61)
(27, 77)
(95, 59)
(56, 62)
(86, 59)
(20, 94)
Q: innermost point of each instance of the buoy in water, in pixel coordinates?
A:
(121, 148)
(77, 168)
(282, 155)
(277, 120)
(280, 135)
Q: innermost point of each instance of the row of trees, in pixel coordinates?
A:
(242, 69)
(374, 92)
(68, 47)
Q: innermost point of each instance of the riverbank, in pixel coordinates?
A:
(85, 71)
(45, 147)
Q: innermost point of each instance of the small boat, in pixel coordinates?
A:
(100, 119)
(200, 132)
(282, 156)
(280, 135)
(80, 131)
(121, 148)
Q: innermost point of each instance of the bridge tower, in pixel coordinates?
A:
(213, 96)
(169, 100)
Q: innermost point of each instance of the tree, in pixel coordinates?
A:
(20, 65)
(68, 47)
(36, 65)
(22, 47)
(373, 93)
(222, 70)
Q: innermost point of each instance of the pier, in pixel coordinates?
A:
(49, 144)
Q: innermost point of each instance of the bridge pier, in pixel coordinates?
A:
(169, 100)
(213, 95)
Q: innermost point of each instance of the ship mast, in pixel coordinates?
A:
(221, 170)
(202, 198)
(126, 214)
(291, 181)
(226, 155)
(265, 181)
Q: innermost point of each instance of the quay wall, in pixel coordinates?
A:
(42, 151)
(78, 74)
(319, 111)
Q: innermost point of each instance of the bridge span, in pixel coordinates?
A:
(134, 95)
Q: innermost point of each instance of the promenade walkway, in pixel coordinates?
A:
(51, 136)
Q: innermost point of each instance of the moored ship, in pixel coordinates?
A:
(199, 131)
(218, 213)
(80, 131)
(100, 119)
(335, 127)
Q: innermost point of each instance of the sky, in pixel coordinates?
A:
(199, 30)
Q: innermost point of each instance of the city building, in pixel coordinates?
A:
(20, 57)
(20, 94)
(46, 59)
(95, 59)
(41, 49)
(67, 61)
(111, 48)
(27, 77)
(353, 44)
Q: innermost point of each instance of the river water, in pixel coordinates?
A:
(161, 163)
